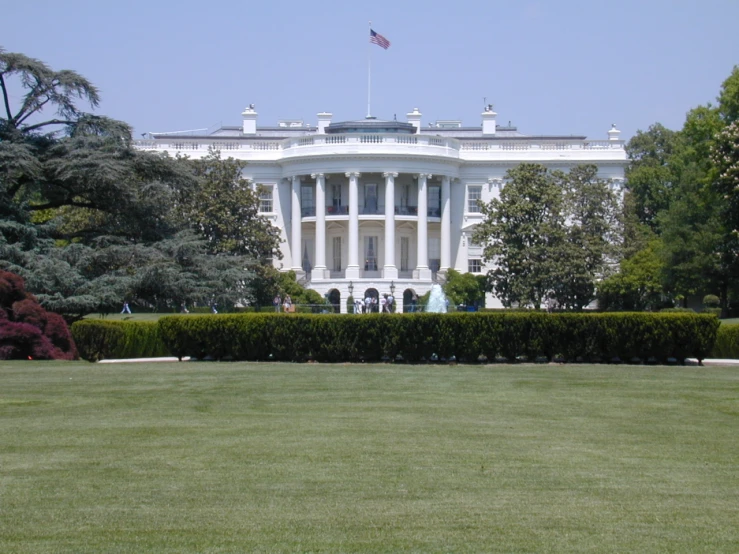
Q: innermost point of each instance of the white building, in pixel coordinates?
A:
(371, 206)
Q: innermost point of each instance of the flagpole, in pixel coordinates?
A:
(369, 72)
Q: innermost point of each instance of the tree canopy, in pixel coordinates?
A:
(551, 235)
(88, 220)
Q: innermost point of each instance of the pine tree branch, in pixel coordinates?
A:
(5, 97)
(50, 122)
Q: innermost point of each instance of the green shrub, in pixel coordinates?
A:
(711, 301)
(424, 337)
(712, 311)
(727, 342)
(98, 339)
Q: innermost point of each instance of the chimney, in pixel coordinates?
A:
(414, 118)
(324, 120)
(613, 133)
(488, 120)
(250, 120)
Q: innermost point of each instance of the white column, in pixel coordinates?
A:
(352, 268)
(320, 271)
(446, 223)
(422, 264)
(296, 222)
(390, 270)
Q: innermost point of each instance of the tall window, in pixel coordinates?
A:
(370, 253)
(336, 196)
(308, 248)
(405, 249)
(370, 199)
(474, 193)
(435, 201)
(405, 195)
(265, 199)
(307, 205)
(337, 253)
(434, 245)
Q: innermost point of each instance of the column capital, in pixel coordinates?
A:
(351, 174)
(297, 178)
(392, 174)
(317, 175)
(424, 175)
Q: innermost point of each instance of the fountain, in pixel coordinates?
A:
(437, 300)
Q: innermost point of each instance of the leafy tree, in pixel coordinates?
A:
(593, 235)
(551, 235)
(638, 284)
(464, 288)
(84, 216)
(225, 210)
(649, 175)
(522, 232)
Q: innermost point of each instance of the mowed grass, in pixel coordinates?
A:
(243, 457)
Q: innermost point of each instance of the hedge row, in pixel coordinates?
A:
(426, 337)
(98, 339)
(727, 342)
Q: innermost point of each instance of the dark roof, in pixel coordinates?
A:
(371, 125)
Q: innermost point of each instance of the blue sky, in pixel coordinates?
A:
(549, 67)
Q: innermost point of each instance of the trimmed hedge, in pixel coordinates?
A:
(727, 342)
(424, 337)
(98, 339)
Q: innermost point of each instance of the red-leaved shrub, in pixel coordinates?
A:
(27, 331)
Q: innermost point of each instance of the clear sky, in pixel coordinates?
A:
(549, 67)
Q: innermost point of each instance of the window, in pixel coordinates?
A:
(370, 199)
(405, 248)
(434, 253)
(370, 253)
(265, 199)
(474, 265)
(336, 196)
(308, 248)
(337, 253)
(474, 193)
(405, 195)
(434, 208)
(308, 207)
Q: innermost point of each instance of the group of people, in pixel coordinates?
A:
(370, 304)
(285, 305)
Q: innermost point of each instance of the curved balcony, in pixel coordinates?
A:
(389, 144)
(411, 212)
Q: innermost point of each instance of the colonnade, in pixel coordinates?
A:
(389, 269)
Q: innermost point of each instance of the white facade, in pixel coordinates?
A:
(376, 205)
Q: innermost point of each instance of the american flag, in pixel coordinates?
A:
(379, 40)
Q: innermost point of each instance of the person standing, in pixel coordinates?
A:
(383, 304)
(390, 302)
(126, 308)
(276, 302)
(288, 304)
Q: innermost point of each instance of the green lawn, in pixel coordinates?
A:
(207, 457)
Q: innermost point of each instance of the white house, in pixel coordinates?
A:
(374, 206)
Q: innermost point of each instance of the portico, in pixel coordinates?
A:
(385, 225)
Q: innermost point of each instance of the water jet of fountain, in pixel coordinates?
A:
(437, 300)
